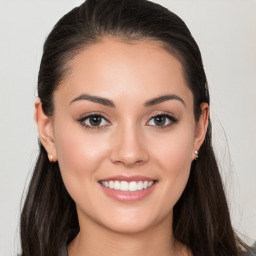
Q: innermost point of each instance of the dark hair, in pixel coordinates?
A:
(201, 217)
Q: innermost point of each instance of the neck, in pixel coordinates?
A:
(94, 240)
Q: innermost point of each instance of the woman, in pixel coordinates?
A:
(126, 165)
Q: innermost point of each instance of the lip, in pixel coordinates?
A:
(128, 196)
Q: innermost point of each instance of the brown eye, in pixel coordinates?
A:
(162, 120)
(94, 121)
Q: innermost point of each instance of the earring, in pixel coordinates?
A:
(196, 153)
(51, 158)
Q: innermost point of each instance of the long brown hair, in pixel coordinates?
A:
(201, 216)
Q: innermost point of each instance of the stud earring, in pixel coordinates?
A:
(196, 153)
(51, 158)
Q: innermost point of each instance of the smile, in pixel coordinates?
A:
(131, 186)
(128, 189)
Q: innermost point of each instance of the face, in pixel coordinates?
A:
(124, 134)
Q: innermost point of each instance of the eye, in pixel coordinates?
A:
(94, 121)
(162, 120)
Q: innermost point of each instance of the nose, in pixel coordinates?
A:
(129, 148)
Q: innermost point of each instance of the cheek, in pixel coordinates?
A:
(79, 155)
(173, 156)
(174, 151)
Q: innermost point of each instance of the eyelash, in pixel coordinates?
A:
(172, 120)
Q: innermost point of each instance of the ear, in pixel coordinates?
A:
(201, 128)
(45, 130)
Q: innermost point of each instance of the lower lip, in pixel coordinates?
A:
(128, 196)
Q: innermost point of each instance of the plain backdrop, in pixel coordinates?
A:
(226, 34)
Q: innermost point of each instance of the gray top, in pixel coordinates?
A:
(63, 251)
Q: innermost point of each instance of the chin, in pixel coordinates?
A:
(128, 227)
(133, 223)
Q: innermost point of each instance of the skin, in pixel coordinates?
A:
(129, 143)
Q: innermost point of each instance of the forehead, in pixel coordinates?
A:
(112, 68)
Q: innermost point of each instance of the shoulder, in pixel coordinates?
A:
(63, 251)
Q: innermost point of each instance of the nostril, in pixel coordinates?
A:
(129, 158)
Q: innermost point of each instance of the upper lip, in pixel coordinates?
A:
(128, 178)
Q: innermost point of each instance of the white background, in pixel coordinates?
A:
(226, 34)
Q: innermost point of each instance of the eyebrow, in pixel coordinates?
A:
(110, 103)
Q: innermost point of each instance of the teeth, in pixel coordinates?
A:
(150, 183)
(116, 185)
(127, 186)
(140, 185)
(133, 186)
(124, 186)
(111, 184)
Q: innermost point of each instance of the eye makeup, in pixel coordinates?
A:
(97, 120)
(162, 120)
(94, 120)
